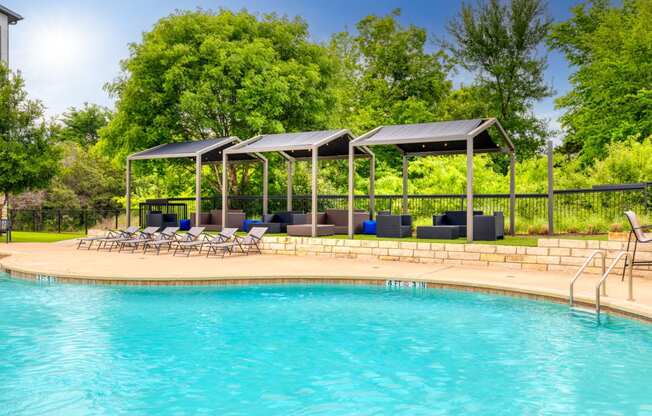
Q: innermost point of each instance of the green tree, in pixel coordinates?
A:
(499, 41)
(198, 75)
(27, 158)
(611, 49)
(387, 75)
(83, 125)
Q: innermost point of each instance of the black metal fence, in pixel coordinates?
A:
(62, 221)
(576, 210)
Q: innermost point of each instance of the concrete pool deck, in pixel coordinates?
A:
(62, 262)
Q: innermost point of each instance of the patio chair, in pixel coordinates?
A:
(5, 228)
(165, 238)
(224, 242)
(146, 235)
(110, 234)
(640, 236)
(186, 241)
(115, 242)
(251, 240)
(394, 226)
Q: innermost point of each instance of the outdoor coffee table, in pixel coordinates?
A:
(444, 232)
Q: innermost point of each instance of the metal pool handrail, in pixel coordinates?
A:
(582, 268)
(603, 281)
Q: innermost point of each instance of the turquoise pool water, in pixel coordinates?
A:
(311, 350)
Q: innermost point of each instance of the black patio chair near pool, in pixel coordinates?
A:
(5, 228)
(640, 234)
(110, 235)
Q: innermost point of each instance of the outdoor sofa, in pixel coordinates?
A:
(213, 220)
(279, 221)
(452, 224)
(333, 221)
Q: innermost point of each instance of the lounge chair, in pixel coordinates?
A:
(146, 235)
(251, 240)
(165, 238)
(115, 242)
(185, 241)
(640, 234)
(111, 234)
(223, 242)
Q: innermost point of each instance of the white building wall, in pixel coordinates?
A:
(4, 38)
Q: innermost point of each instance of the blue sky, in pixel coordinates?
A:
(68, 49)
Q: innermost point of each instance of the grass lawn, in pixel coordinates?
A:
(36, 237)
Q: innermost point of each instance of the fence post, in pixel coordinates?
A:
(85, 224)
(59, 221)
(117, 213)
(551, 194)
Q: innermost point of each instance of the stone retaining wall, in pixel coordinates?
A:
(552, 254)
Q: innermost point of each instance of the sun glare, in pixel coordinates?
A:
(59, 47)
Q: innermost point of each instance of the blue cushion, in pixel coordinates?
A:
(184, 225)
(247, 224)
(369, 227)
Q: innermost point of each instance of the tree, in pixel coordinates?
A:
(611, 95)
(198, 75)
(498, 42)
(27, 158)
(387, 75)
(83, 125)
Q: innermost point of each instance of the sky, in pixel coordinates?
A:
(67, 50)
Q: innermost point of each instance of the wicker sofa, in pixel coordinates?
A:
(212, 220)
(339, 218)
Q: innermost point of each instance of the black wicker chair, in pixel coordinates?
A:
(5, 228)
(394, 226)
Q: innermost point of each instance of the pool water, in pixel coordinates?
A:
(311, 350)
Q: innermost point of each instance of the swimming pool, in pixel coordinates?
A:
(315, 349)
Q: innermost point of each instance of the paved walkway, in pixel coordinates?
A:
(64, 261)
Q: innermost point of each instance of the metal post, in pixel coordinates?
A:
(551, 194)
(351, 188)
(197, 191)
(128, 196)
(405, 184)
(315, 155)
(265, 186)
(59, 221)
(225, 188)
(372, 186)
(512, 193)
(469, 189)
(290, 177)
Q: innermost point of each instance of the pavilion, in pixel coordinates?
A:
(440, 138)
(202, 151)
(293, 147)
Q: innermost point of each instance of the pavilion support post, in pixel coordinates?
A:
(198, 191)
(512, 193)
(372, 186)
(405, 184)
(265, 186)
(351, 189)
(469, 189)
(315, 155)
(551, 194)
(290, 177)
(225, 188)
(128, 195)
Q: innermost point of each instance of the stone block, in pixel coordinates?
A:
(548, 242)
(572, 243)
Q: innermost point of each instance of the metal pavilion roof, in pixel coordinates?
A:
(331, 143)
(210, 150)
(442, 137)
